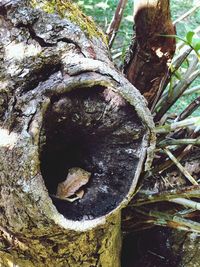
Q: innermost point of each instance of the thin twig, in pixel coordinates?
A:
(195, 89)
(176, 63)
(186, 203)
(181, 43)
(180, 153)
(115, 22)
(145, 197)
(180, 58)
(167, 128)
(161, 88)
(180, 167)
(189, 12)
(175, 142)
(189, 109)
(167, 101)
(117, 55)
(174, 221)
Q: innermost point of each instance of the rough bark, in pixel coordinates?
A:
(64, 105)
(151, 51)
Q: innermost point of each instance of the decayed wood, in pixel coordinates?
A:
(56, 77)
(151, 51)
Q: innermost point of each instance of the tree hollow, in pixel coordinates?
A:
(97, 130)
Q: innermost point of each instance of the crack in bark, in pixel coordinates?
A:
(3, 11)
(42, 42)
(41, 75)
(69, 41)
(34, 36)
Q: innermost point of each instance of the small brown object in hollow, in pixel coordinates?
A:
(71, 186)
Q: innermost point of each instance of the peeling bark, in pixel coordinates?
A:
(64, 105)
(151, 51)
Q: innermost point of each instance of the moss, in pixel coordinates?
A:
(67, 9)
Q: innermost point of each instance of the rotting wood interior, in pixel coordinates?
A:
(94, 129)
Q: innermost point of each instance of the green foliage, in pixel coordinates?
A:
(192, 40)
(102, 12)
(189, 40)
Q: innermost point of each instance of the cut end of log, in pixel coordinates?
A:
(96, 130)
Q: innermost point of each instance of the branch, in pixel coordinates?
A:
(177, 125)
(189, 12)
(168, 100)
(180, 167)
(176, 63)
(115, 22)
(180, 58)
(145, 197)
(195, 89)
(173, 221)
(166, 164)
(189, 109)
(175, 142)
(187, 203)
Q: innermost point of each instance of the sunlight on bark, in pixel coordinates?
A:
(8, 139)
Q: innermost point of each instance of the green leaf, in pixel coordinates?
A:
(189, 36)
(196, 44)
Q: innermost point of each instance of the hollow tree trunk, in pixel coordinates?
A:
(64, 105)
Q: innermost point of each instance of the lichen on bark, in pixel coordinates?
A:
(70, 10)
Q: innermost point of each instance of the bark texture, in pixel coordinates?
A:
(64, 105)
(151, 51)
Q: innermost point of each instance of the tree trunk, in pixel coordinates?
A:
(151, 51)
(64, 105)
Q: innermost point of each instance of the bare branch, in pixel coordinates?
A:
(172, 142)
(189, 12)
(168, 100)
(115, 22)
(180, 167)
(186, 203)
(145, 197)
(192, 90)
(170, 220)
(189, 109)
(191, 122)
